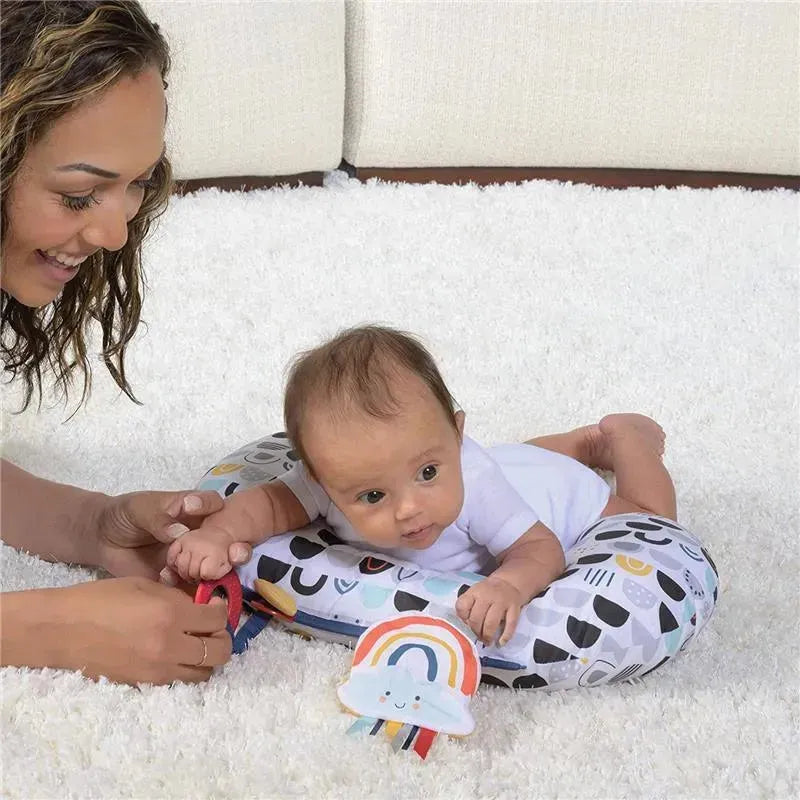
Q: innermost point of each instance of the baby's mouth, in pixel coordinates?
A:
(398, 706)
(418, 533)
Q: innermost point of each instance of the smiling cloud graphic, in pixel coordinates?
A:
(416, 670)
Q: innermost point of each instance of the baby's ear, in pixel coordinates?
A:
(460, 416)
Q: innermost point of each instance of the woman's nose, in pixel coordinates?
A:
(108, 226)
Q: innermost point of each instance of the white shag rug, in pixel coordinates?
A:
(547, 305)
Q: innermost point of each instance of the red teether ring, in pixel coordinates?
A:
(233, 593)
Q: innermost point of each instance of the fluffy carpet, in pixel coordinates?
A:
(547, 305)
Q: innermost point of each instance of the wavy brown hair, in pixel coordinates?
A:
(54, 54)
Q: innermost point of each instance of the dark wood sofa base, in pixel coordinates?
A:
(247, 183)
(607, 177)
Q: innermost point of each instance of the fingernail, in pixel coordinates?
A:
(191, 503)
(239, 554)
(166, 576)
(176, 530)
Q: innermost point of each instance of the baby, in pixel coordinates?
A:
(385, 462)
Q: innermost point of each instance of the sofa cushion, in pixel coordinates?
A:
(256, 88)
(672, 85)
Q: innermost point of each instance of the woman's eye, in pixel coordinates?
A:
(428, 473)
(371, 497)
(79, 202)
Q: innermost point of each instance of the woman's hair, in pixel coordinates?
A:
(356, 371)
(56, 54)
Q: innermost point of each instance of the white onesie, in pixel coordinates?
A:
(507, 489)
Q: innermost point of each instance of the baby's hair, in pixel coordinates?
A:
(355, 371)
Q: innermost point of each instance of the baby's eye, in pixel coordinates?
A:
(387, 693)
(428, 473)
(371, 497)
(417, 697)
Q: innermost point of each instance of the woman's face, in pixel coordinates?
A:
(80, 185)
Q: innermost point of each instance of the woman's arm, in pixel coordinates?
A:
(130, 630)
(126, 534)
(51, 520)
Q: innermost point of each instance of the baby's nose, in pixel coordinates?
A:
(408, 507)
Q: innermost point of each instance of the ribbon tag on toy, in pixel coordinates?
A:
(413, 677)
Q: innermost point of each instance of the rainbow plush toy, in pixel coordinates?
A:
(412, 677)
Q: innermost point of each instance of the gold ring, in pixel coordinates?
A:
(202, 661)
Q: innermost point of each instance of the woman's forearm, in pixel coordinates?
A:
(52, 520)
(28, 638)
(129, 630)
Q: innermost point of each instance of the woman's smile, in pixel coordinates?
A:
(58, 267)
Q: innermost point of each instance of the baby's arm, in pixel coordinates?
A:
(251, 516)
(525, 568)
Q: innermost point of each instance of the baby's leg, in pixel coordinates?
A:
(589, 445)
(635, 445)
(631, 445)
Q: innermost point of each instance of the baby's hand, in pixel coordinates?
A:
(486, 605)
(201, 555)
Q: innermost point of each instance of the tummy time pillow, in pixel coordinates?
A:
(635, 592)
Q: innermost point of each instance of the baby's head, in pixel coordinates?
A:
(375, 425)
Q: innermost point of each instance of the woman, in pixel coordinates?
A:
(83, 176)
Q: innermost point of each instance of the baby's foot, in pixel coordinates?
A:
(593, 444)
(591, 447)
(646, 432)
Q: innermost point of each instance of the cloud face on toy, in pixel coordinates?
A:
(417, 670)
(394, 693)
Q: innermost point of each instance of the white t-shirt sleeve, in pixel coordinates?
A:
(310, 494)
(494, 513)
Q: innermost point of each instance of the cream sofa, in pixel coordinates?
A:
(275, 88)
(257, 86)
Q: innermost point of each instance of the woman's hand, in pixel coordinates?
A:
(130, 630)
(135, 530)
(127, 535)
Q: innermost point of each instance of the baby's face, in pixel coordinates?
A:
(397, 480)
